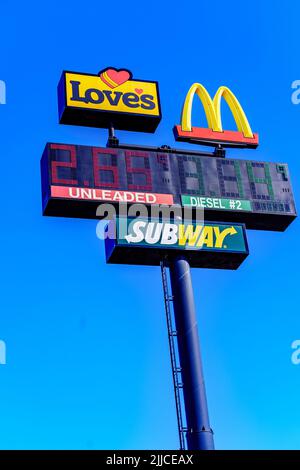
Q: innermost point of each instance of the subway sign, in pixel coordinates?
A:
(77, 178)
(147, 242)
(110, 98)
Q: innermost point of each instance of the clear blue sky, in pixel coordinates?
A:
(87, 355)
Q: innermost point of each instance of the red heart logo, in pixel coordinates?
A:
(139, 91)
(113, 77)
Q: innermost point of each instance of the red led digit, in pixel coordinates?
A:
(98, 168)
(131, 171)
(55, 164)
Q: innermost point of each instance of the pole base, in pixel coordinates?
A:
(200, 440)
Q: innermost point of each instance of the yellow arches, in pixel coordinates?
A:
(212, 109)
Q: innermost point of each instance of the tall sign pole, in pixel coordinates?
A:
(235, 194)
(199, 433)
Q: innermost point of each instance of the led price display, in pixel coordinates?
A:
(76, 179)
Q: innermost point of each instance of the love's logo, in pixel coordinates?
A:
(113, 78)
(110, 98)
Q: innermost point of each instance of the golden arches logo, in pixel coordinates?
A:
(215, 134)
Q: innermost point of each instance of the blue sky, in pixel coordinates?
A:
(87, 355)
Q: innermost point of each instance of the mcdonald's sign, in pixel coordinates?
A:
(214, 134)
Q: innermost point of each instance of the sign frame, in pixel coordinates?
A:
(63, 207)
(137, 254)
(98, 118)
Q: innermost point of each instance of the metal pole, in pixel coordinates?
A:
(112, 139)
(111, 132)
(199, 434)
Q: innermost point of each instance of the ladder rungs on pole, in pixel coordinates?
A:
(176, 369)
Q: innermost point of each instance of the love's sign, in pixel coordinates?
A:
(110, 98)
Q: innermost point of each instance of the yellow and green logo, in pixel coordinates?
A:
(148, 241)
(192, 236)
